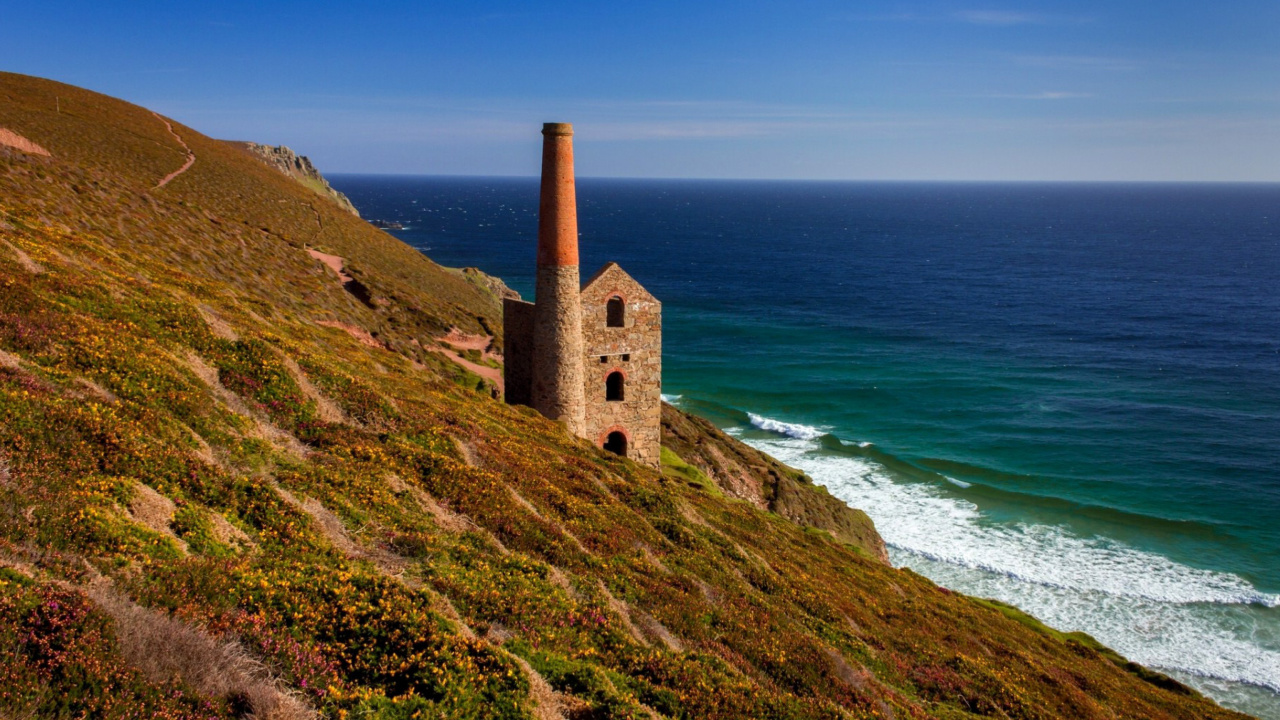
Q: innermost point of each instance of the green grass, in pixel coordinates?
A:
(673, 465)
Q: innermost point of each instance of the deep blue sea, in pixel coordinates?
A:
(1062, 396)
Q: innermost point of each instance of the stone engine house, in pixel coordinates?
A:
(588, 355)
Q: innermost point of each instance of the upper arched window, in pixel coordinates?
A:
(614, 386)
(617, 312)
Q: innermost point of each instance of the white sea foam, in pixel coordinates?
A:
(1151, 609)
(957, 483)
(795, 430)
(672, 399)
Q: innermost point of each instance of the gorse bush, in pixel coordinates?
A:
(229, 488)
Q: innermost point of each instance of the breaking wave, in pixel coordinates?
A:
(795, 430)
(1200, 624)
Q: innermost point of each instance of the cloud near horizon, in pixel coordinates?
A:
(1001, 18)
(1044, 95)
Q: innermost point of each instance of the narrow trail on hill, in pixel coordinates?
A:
(460, 342)
(353, 286)
(191, 156)
(334, 263)
(16, 141)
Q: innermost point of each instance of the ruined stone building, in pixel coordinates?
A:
(590, 355)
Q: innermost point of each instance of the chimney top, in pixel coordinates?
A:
(557, 207)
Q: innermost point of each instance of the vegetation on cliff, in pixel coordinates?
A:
(231, 486)
(300, 168)
(748, 474)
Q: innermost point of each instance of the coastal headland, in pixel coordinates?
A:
(252, 464)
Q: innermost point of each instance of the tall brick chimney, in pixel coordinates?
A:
(558, 391)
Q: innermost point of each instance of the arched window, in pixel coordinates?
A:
(617, 312)
(616, 443)
(614, 386)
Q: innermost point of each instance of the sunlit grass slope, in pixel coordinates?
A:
(211, 505)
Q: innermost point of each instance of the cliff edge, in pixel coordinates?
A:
(299, 168)
(241, 476)
(745, 473)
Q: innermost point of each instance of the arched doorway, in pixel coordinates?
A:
(614, 386)
(616, 443)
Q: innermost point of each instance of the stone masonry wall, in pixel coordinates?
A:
(557, 347)
(517, 349)
(634, 349)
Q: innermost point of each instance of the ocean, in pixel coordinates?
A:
(1062, 396)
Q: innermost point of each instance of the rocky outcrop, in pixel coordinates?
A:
(494, 285)
(745, 473)
(299, 168)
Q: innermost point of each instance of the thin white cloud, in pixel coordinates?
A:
(619, 112)
(1181, 128)
(999, 17)
(991, 18)
(681, 130)
(1043, 95)
(1009, 18)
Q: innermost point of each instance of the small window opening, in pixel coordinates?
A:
(613, 386)
(617, 312)
(626, 357)
(604, 359)
(616, 443)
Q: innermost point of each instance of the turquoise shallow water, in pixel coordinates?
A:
(1066, 397)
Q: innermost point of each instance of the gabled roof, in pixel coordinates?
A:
(612, 275)
(606, 268)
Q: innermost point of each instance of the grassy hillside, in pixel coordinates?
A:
(696, 449)
(231, 488)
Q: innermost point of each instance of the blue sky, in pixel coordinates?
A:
(1119, 90)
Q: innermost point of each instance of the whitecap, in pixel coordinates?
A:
(671, 399)
(795, 430)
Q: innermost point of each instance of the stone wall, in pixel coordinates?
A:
(635, 350)
(538, 374)
(557, 347)
(517, 344)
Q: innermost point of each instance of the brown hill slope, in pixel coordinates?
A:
(114, 154)
(212, 505)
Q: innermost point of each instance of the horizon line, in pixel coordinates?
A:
(500, 176)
